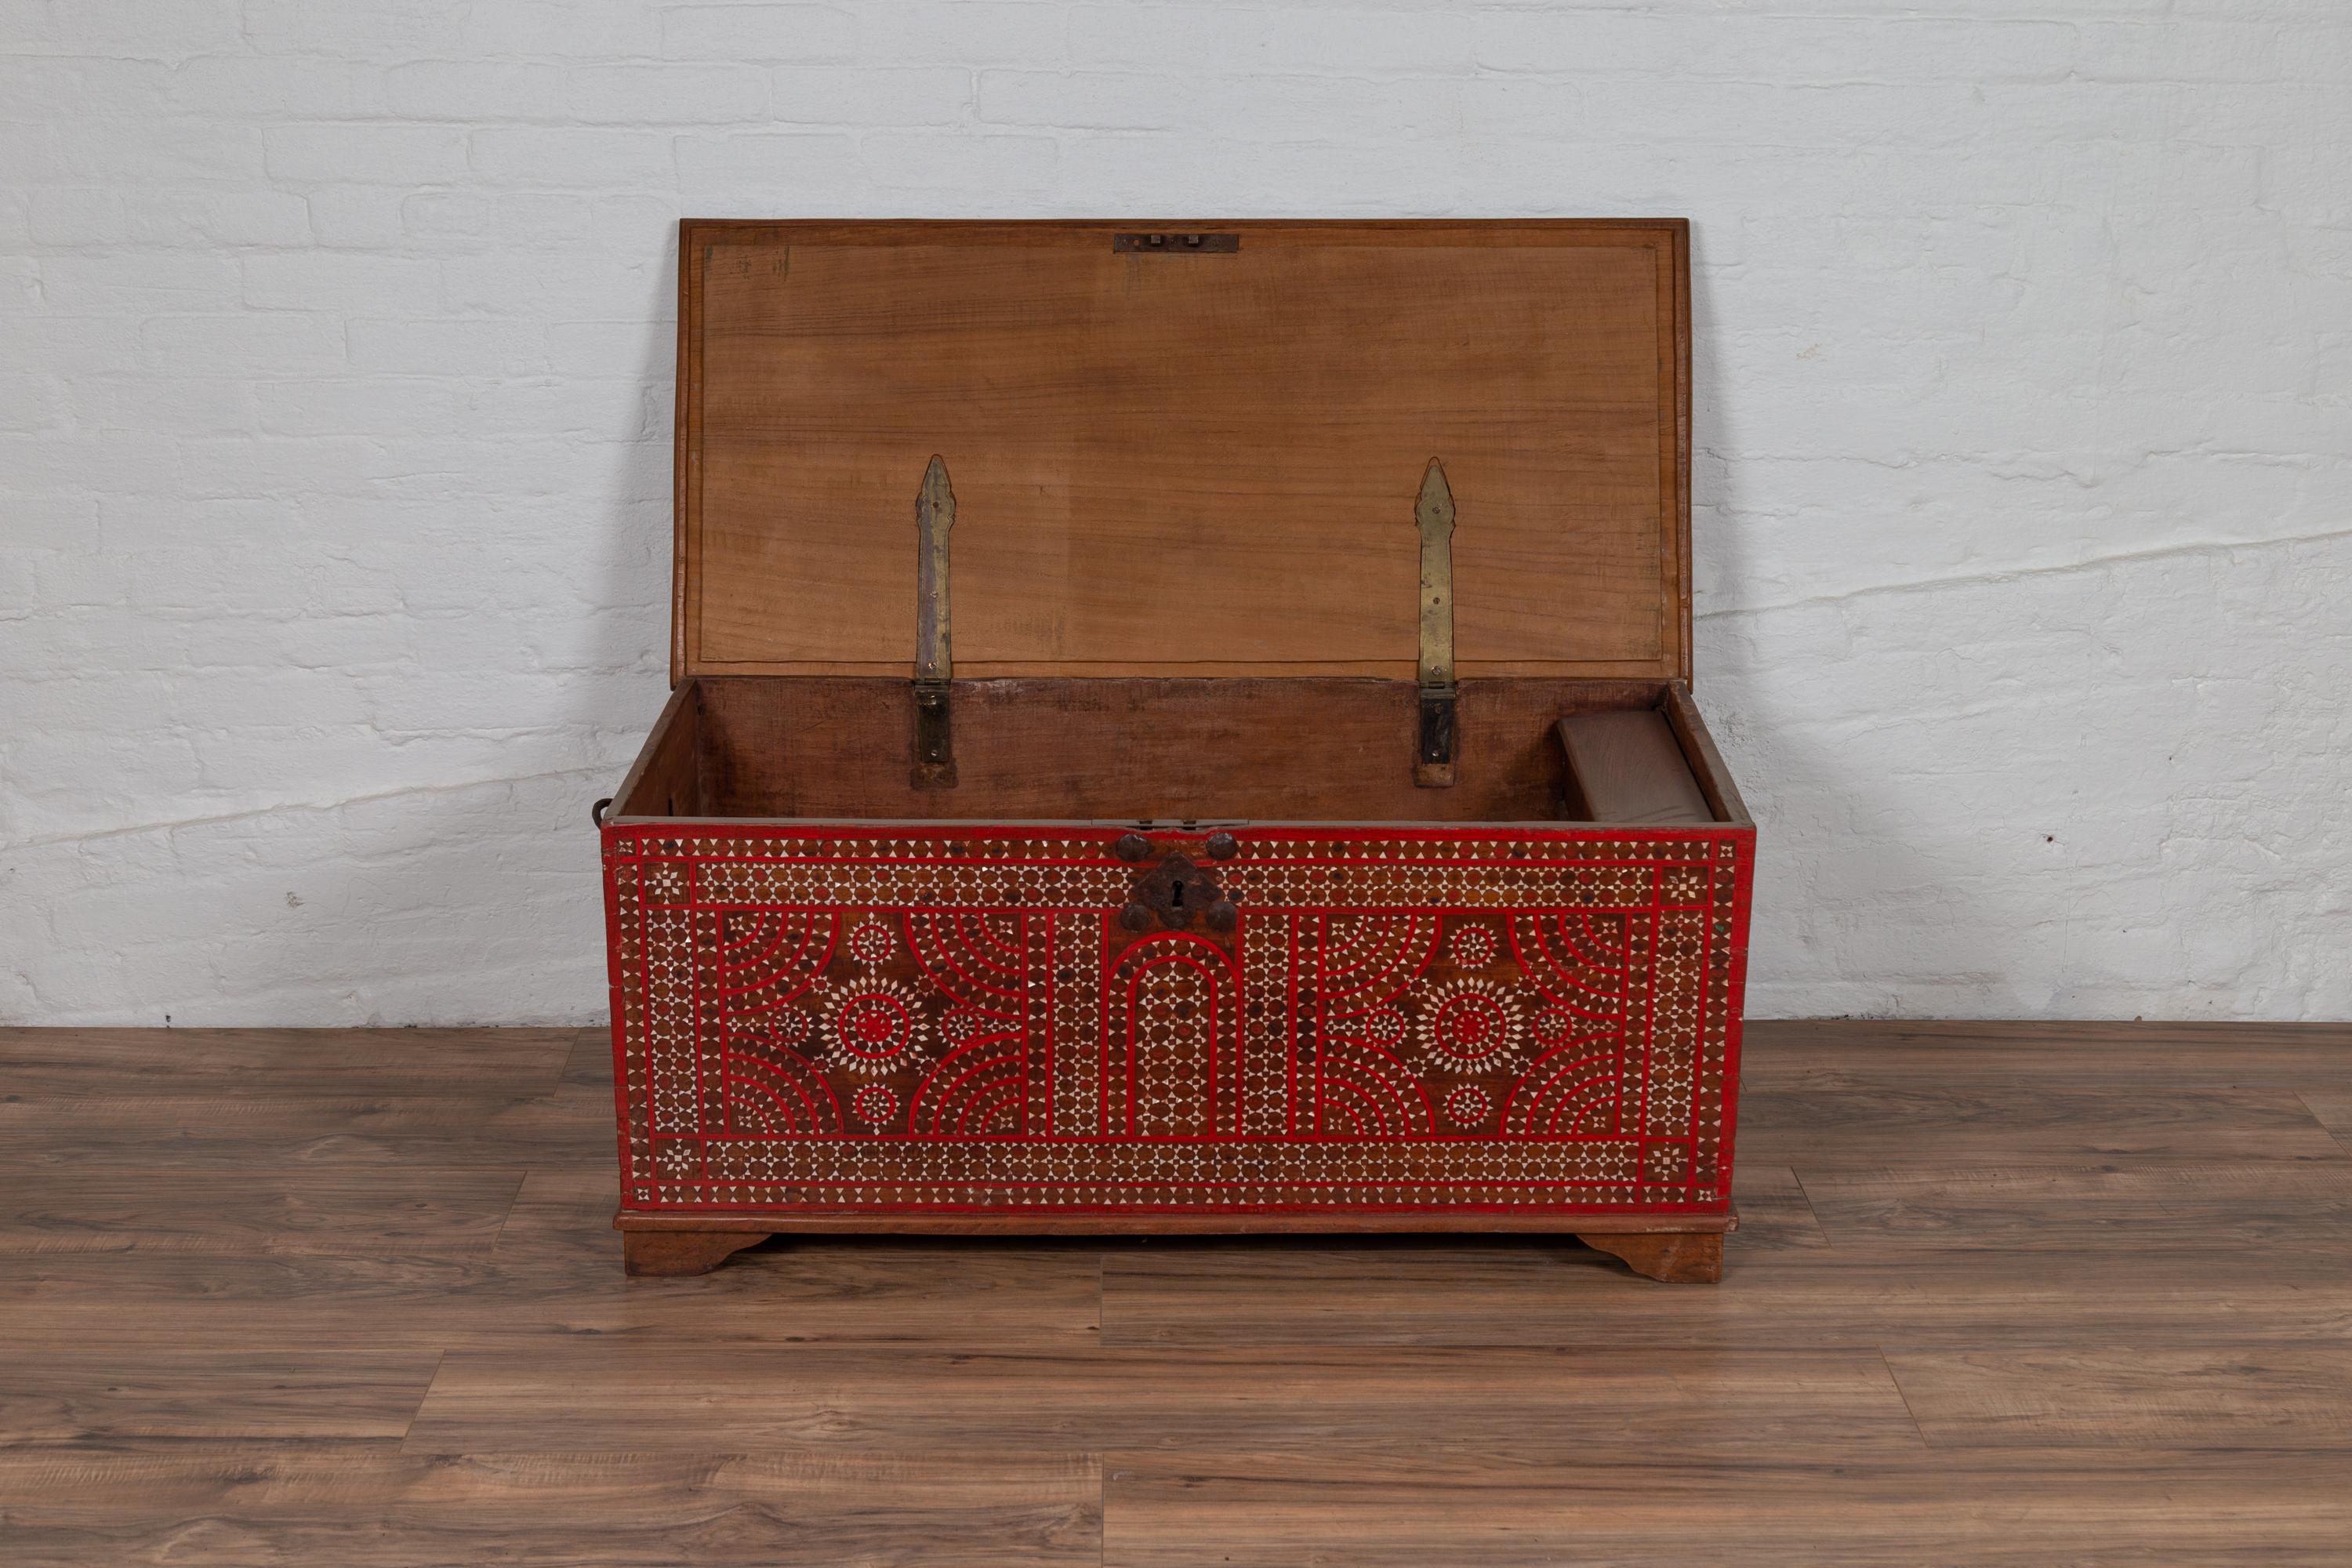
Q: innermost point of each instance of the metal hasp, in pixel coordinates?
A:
(1432, 764)
(935, 509)
(1179, 894)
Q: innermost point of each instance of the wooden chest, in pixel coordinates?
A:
(1180, 730)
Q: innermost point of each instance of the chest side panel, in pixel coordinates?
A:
(984, 1021)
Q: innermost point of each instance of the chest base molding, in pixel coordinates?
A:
(669, 1246)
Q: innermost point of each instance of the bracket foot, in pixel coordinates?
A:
(668, 1254)
(1678, 1257)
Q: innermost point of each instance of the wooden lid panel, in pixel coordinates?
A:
(1188, 464)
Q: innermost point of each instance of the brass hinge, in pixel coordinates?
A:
(1433, 512)
(935, 509)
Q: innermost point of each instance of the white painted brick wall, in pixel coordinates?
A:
(334, 464)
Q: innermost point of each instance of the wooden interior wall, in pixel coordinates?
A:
(667, 778)
(1271, 750)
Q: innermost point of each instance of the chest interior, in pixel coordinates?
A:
(1268, 522)
(1201, 750)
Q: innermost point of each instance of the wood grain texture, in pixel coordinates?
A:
(1872, 1119)
(1306, 749)
(1773, 1210)
(1203, 463)
(1527, 1294)
(280, 1063)
(1175, 1508)
(666, 778)
(172, 1382)
(1706, 763)
(1797, 1054)
(2065, 1208)
(247, 1320)
(2332, 1107)
(231, 1132)
(557, 1393)
(370, 1505)
(159, 1207)
(2295, 1396)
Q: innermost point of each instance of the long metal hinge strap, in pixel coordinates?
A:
(1433, 512)
(935, 510)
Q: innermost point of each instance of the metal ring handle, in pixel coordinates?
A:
(596, 812)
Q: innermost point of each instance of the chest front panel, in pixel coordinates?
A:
(1016, 1020)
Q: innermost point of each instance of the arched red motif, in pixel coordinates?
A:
(767, 958)
(1172, 1069)
(979, 1091)
(1369, 958)
(1571, 1093)
(1362, 1092)
(974, 957)
(772, 1091)
(1576, 960)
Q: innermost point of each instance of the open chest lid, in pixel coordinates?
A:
(1183, 449)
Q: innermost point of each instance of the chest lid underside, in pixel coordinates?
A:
(1199, 454)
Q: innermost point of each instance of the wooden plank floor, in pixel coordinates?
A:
(2005, 1294)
